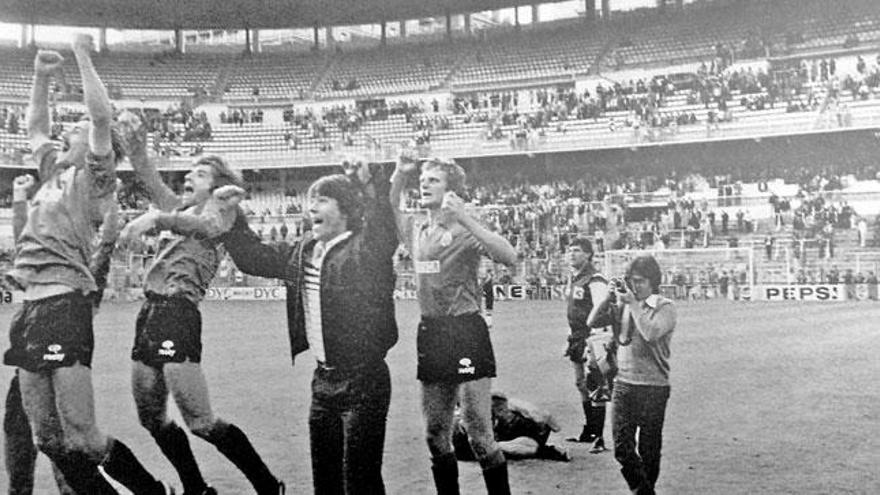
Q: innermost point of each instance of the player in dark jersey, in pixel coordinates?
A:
(586, 289)
(456, 361)
(167, 350)
(51, 336)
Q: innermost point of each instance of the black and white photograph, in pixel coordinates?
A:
(417, 247)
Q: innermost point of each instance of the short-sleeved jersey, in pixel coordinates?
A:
(585, 287)
(446, 262)
(55, 246)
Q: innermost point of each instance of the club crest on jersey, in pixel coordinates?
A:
(167, 349)
(466, 367)
(54, 353)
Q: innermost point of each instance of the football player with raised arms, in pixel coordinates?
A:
(456, 361)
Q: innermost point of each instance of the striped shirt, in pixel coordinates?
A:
(311, 293)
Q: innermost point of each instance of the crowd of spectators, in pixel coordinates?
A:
(178, 130)
(11, 118)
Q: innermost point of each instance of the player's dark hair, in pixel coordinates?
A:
(583, 243)
(347, 194)
(646, 266)
(117, 144)
(455, 175)
(224, 174)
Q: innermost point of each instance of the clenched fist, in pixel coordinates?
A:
(82, 43)
(20, 187)
(47, 62)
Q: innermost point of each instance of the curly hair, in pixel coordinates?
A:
(224, 174)
(455, 175)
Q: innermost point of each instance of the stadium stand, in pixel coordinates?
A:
(486, 74)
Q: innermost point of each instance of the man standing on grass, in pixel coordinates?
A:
(586, 290)
(456, 362)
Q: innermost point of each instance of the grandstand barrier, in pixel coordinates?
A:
(522, 292)
(813, 292)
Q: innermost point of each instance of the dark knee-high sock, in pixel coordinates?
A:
(445, 470)
(173, 442)
(121, 465)
(21, 455)
(81, 473)
(495, 473)
(596, 423)
(234, 444)
(64, 488)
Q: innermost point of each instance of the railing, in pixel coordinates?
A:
(864, 115)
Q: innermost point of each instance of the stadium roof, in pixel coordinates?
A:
(233, 14)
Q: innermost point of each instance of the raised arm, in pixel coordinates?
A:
(39, 121)
(216, 218)
(94, 96)
(380, 227)
(134, 132)
(20, 187)
(497, 247)
(254, 257)
(99, 265)
(46, 63)
(405, 166)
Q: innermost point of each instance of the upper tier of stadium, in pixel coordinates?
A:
(547, 52)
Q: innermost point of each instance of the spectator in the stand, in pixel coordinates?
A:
(862, 228)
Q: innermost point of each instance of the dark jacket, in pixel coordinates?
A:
(357, 283)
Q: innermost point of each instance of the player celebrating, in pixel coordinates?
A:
(455, 358)
(340, 284)
(586, 290)
(20, 451)
(51, 336)
(167, 351)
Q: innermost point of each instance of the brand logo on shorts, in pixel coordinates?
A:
(54, 354)
(466, 367)
(167, 349)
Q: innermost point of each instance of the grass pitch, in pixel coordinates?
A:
(769, 398)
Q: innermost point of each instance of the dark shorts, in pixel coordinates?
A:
(168, 330)
(454, 349)
(50, 333)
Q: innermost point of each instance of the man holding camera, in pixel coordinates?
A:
(586, 289)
